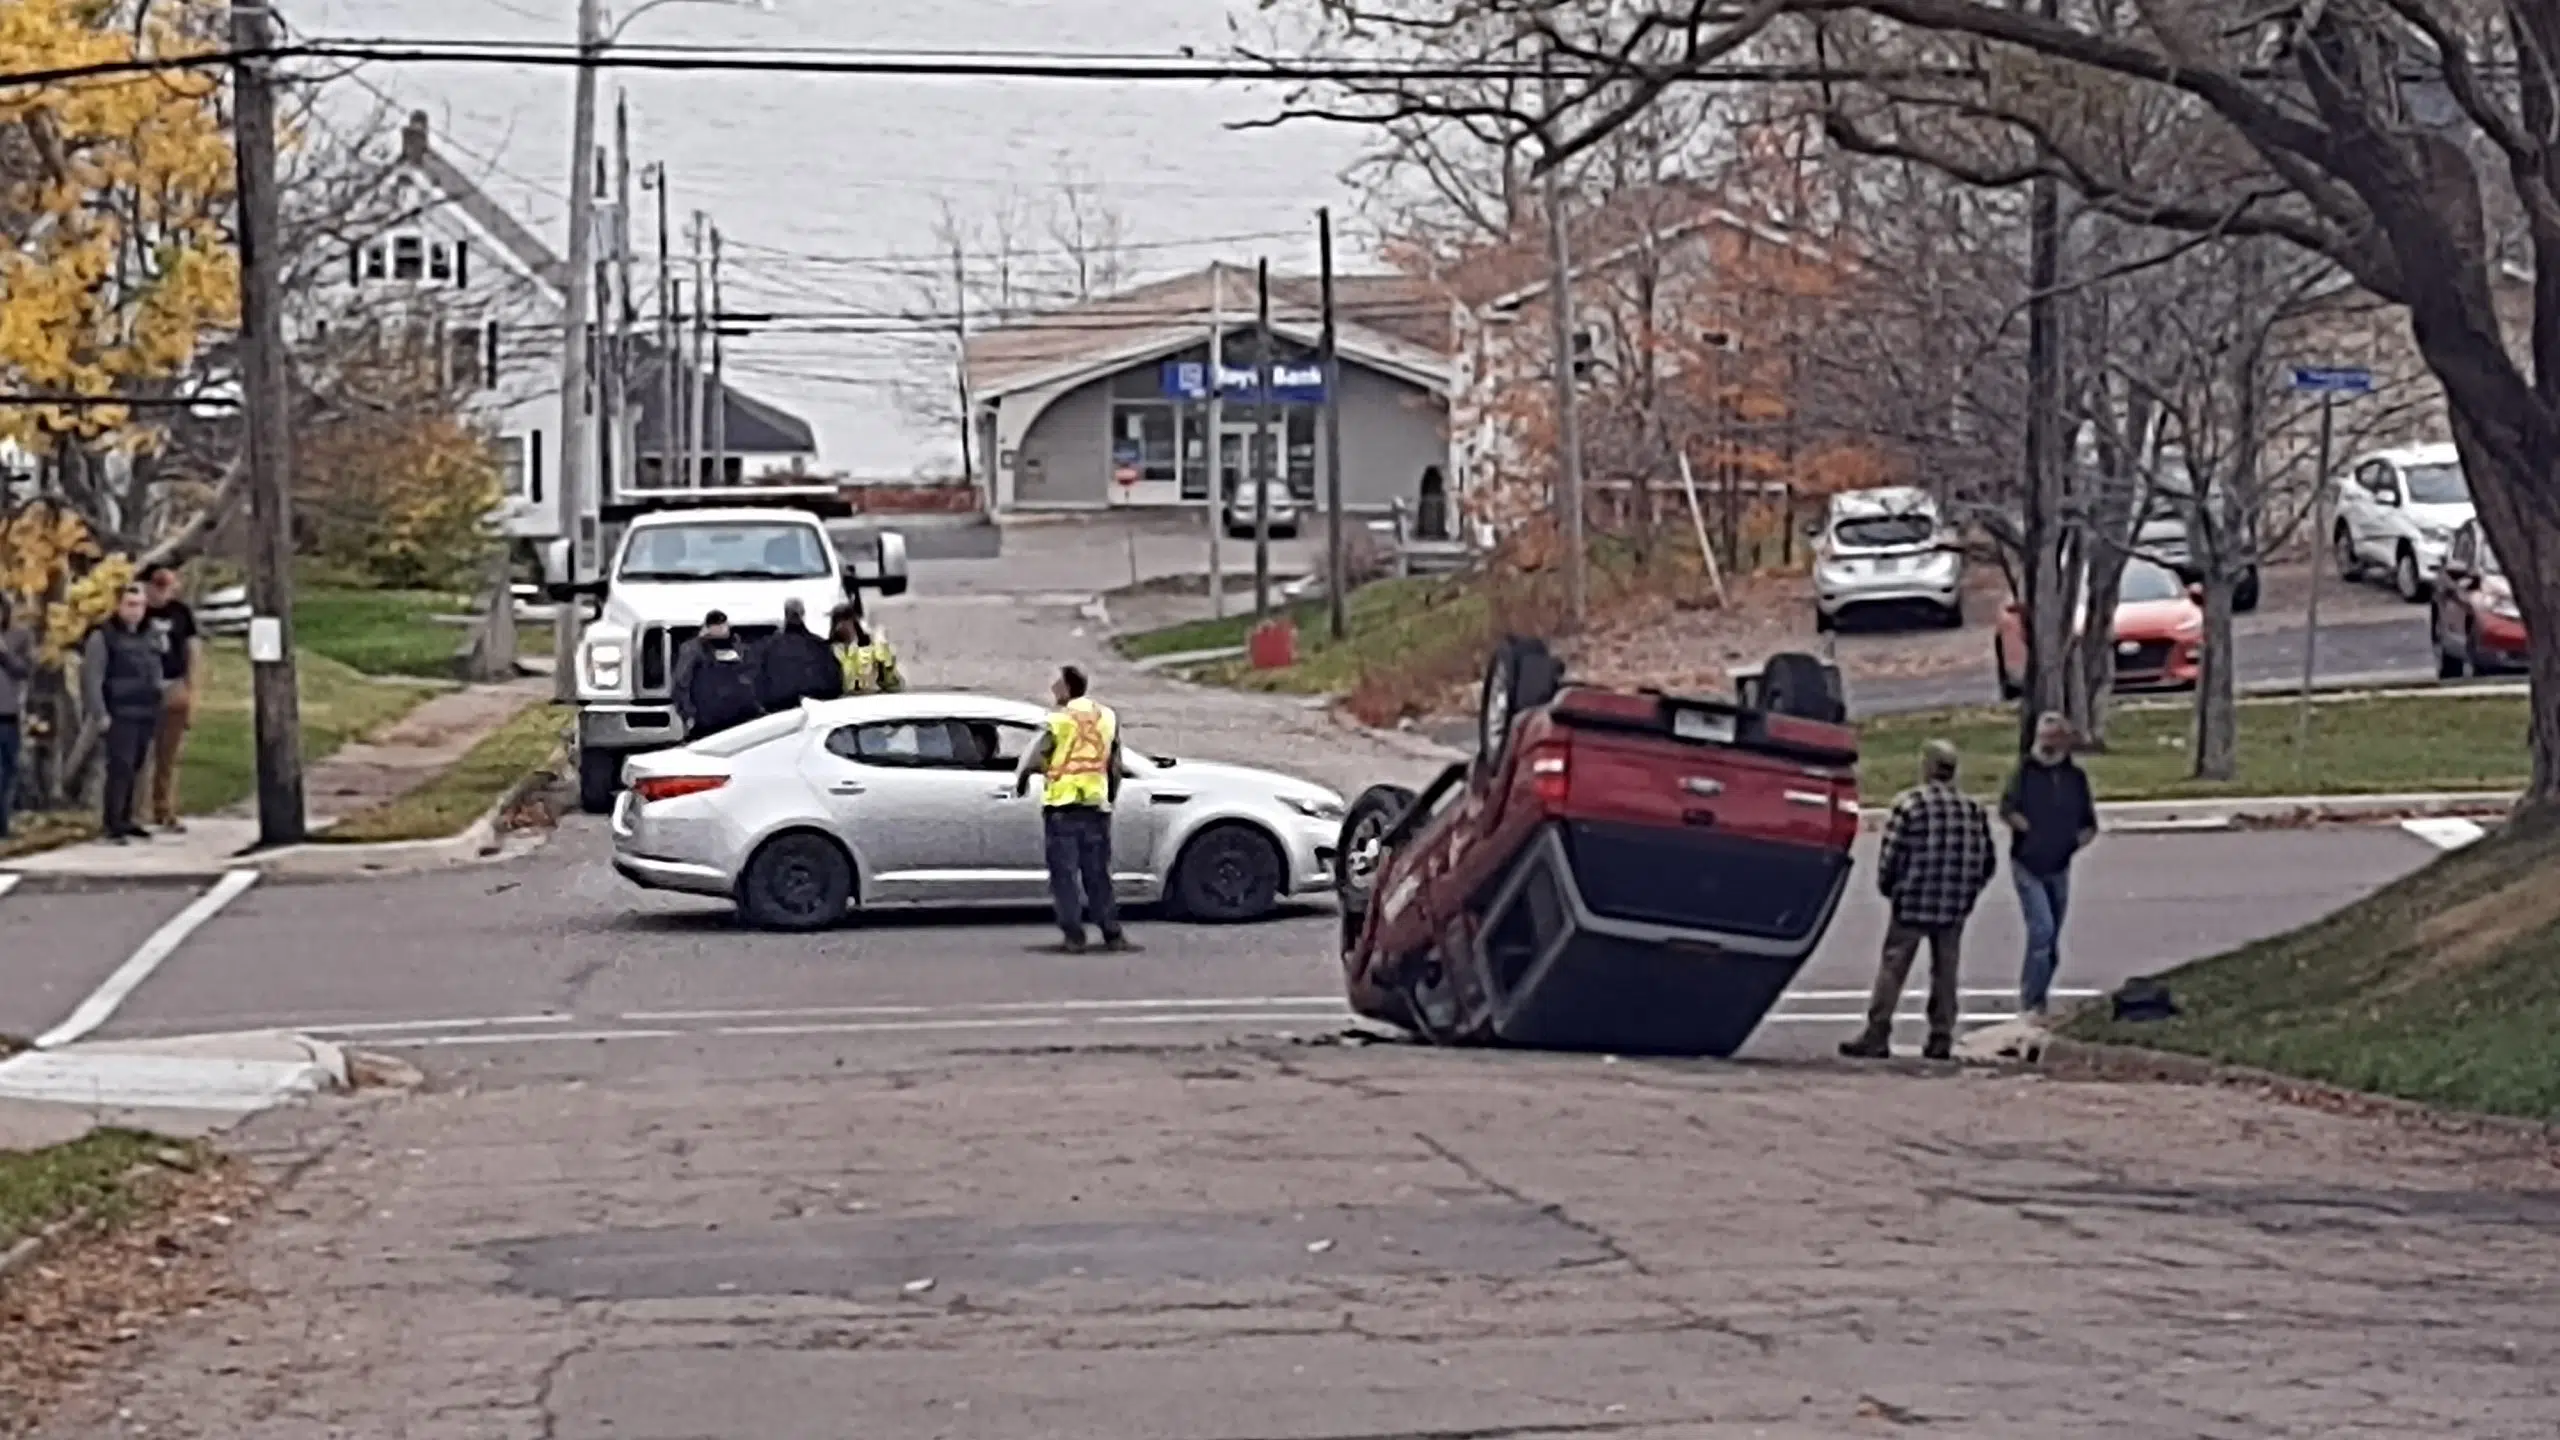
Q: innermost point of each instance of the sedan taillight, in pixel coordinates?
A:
(675, 787)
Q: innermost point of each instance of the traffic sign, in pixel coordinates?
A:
(2333, 379)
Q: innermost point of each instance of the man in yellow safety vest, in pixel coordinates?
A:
(1078, 756)
(870, 666)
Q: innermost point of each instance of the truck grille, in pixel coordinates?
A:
(654, 677)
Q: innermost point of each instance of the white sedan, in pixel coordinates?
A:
(881, 801)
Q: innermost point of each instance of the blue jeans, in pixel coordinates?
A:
(2043, 900)
(8, 768)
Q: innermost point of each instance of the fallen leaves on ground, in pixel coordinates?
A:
(97, 1292)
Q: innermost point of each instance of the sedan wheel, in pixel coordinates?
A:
(2406, 579)
(1229, 873)
(796, 882)
(2343, 545)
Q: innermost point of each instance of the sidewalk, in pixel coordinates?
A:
(359, 776)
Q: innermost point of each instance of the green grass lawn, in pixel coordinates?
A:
(2443, 988)
(339, 704)
(39, 1187)
(2385, 744)
(391, 632)
(448, 803)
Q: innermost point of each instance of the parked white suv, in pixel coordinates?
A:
(1886, 546)
(2397, 510)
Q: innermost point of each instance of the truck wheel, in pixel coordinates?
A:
(1803, 686)
(599, 780)
(797, 881)
(1522, 676)
(1358, 855)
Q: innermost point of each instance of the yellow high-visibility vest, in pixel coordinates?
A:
(869, 669)
(1079, 767)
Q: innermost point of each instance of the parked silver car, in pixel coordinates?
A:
(1885, 547)
(884, 801)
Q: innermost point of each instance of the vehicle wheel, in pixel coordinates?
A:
(1226, 874)
(2405, 577)
(1824, 624)
(797, 881)
(1952, 617)
(599, 780)
(2009, 689)
(1357, 856)
(2245, 598)
(1802, 686)
(2343, 545)
(1522, 676)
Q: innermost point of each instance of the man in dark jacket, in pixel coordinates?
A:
(122, 672)
(2051, 819)
(714, 680)
(796, 665)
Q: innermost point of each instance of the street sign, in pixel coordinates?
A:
(2333, 379)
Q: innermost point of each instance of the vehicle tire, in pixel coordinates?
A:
(2244, 599)
(1522, 676)
(1228, 873)
(2343, 546)
(599, 780)
(1824, 624)
(1952, 617)
(797, 881)
(2009, 689)
(1802, 686)
(1355, 874)
(2405, 578)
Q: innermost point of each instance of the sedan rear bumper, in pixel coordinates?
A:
(673, 875)
(1836, 600)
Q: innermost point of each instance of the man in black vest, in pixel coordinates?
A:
(714, 680)
(122, 673)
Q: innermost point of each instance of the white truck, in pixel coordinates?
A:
(745, 553)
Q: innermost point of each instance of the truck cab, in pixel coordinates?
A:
(673, 564)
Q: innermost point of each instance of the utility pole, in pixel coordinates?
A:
(1568, 423)
(268, 394)
(624, 466)
(1216, 447)
(719, 371)
(667, 338)
(960, 343)
(1337, 619)
(1259, 473)
(577, 449)
(696, 378)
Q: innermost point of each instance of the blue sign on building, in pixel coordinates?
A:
(1290, 384)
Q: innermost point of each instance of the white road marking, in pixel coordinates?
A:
(494, 1022)
(1985, 993)
(991, 1007)
(9, 883)
(2446, 832)
(102, 1003)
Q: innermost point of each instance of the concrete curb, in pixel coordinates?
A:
(2082, 1060)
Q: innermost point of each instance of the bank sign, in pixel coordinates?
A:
(1290, 384)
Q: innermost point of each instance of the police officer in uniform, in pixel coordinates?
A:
(714, 680)
(1078, 756)
(870, 666)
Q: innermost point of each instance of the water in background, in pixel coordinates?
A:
(828, 189)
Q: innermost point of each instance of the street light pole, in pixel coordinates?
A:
(1568, 424)
(577, 449)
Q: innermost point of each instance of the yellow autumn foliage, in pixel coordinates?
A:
(56, 577)
(122, 267)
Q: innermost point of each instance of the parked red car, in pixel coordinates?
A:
(2158, 634)
(1638, 873)
(2478, 629)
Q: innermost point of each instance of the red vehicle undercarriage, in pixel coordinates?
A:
(1630, 872)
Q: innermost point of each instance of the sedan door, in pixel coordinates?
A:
(903, 797)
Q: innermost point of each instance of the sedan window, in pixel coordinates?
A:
(910, 744)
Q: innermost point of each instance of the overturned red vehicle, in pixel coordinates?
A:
(1636, 873)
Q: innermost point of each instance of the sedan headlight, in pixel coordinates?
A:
(604, 666)
(1313, 809)
(2436, 534)
(2504, 607)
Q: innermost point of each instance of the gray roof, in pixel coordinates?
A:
(756, 427)
(420, 153)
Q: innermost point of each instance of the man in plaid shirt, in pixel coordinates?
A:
(1937, 857)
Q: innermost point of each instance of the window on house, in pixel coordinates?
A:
(439, 261)
(1143, 440)
(1589, 342)
(408, 257)
(467, 365)
(515, 469)
(373, 261)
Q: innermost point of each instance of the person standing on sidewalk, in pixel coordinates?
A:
(182, 668)
(17, 668)
(122, 673)
(2051, 819)
(1937, 858)
(1079, 753)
